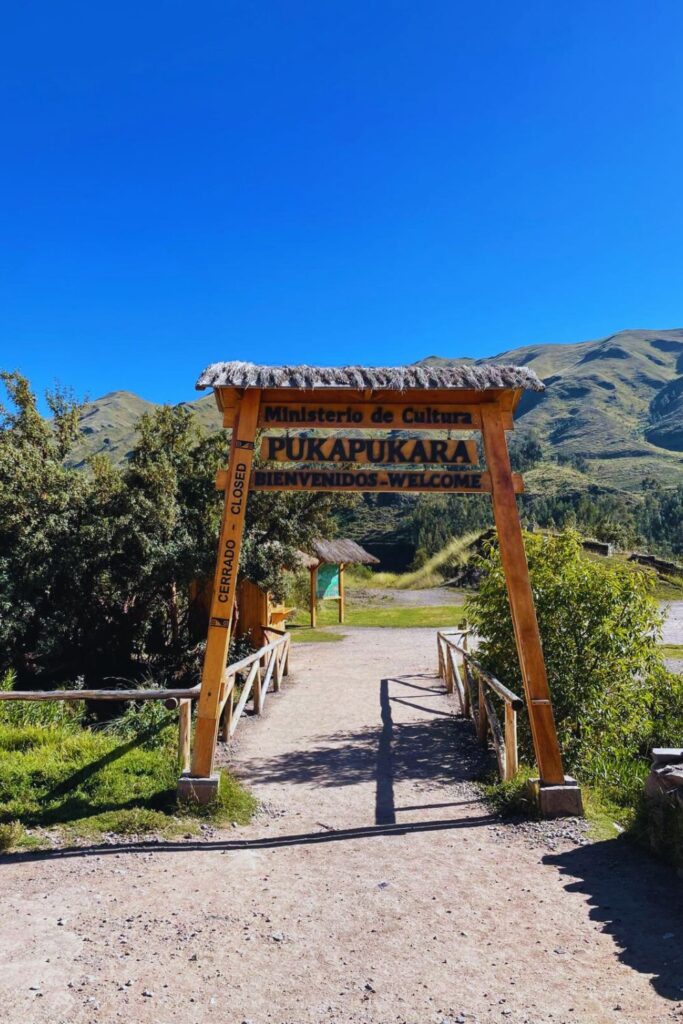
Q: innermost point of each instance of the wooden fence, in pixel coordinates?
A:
(259, 670)
(475, 686)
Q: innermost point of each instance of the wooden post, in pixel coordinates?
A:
(527, 636)
(225, 582)
(223, 727)
(482, 716)
(465, 670)
(256, 691)
(229, 708)
(342, 596)
(314, 595)
(184, 732)
(449, 675)
(510, 741)
(277, 677)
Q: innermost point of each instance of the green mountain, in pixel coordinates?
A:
(614, 407)
(108, 424)
(616, 403)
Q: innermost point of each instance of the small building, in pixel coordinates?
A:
(326, 564)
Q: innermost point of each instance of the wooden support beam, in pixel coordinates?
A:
(184, 733)
(342, 595)
(314, 595)
(225, 583)
(527, 636)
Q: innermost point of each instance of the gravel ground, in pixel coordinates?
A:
(374, 887)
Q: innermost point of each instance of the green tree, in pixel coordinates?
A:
(96, 565)
(599, 625)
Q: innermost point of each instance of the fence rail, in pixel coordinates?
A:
(474, 685)
(269, 665)
(265, 666)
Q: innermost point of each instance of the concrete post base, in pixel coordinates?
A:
(558, 801)
(198, 790)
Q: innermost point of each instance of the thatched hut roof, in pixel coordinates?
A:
(470, 376)
(336, 552)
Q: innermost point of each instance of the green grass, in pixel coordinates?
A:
(512, 799)
(394, 616)
(669, 589)
(434, 571)
(306, 635)
(80, 782)
(672, 651)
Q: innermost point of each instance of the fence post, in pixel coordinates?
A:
(482, 716)
(184, 732)
(256, 690)
(448, 674)
(510, 741)
(465, 672)
(277, 654)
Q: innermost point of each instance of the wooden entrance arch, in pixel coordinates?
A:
(416, 400)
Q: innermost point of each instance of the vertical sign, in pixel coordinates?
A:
(225, 583)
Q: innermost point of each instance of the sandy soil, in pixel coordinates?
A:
(376, 887)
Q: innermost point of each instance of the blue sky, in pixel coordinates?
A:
(331, 182)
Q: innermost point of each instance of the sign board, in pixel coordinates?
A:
(372, 416)
(327, 581)
(453, 481)
(378, 451)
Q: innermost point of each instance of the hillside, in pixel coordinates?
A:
(617, 402)
(108, 424)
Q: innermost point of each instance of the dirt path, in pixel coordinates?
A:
(427, 597)
(376, 887)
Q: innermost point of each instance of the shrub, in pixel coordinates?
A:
(66, 714)
(599, 625)
(11, 834)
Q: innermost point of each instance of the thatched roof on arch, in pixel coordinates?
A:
(335, 552)
(469, 376)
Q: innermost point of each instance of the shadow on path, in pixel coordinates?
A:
(263, 843)
(637, 901)
(439, 748)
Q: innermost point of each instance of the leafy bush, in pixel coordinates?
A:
(599, 624)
